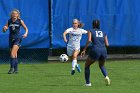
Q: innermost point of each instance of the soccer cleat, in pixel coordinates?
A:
(107, 80)
(10, 71)
(88, 85)
(72, 72)
(15, 72)
(78, 68)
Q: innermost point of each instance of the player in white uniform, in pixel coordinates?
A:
(73, 43)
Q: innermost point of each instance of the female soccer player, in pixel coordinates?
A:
(14, 24)
(98, 51)
(73, 44)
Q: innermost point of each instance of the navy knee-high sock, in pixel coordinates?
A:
(16, 64)
(12, 62)
(103, 70)
(87, 75)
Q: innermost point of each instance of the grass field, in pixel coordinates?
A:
(54, 77)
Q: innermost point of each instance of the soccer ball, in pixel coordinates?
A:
(63, 58)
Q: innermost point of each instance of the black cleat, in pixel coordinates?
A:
(72, 72)
(10, 71)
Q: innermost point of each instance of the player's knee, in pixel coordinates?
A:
(74, 56)
(101, 65)
(87, 69)
(13, 54)
(87, 65)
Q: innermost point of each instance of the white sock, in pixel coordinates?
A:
(74, 63)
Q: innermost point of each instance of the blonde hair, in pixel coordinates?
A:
(80, 23)
(15, 10)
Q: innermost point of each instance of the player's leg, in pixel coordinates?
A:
(16, 65)
(13, 62)
(93, 56)
(89, 61)
(75, 54)
(17, 44)
(104, 71)
(74, 61)
(70, 52)
(101, 65)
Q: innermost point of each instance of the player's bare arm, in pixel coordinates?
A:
(64, 36)
(87, 44)
(26, 29)
(106, 41)
(5, 28)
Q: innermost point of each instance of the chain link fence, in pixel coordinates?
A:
(26, 55)
(41, 55)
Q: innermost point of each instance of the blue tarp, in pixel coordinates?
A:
(36, 17)
(120, 19)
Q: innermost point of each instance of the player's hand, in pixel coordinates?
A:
(4, 29)
(65, 40)
(83, 53)
(24, 35)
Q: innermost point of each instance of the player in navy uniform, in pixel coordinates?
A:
(98, 51)
(14, 24)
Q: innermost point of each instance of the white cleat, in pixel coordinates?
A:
(88, 85)
(107, 80)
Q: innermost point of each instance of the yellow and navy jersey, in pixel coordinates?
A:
(14, 28)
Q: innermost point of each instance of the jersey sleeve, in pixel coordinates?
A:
(84, 31)
(68, 30)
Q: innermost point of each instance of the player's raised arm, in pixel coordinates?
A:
(106, 41)
(88, 41)
(26, 29)
(64, 36)
(87, 44)
(5, 28)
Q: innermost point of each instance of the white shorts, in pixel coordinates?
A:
(71, 50)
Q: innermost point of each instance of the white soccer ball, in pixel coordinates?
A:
(63, 58)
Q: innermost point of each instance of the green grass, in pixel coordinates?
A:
(54, 77)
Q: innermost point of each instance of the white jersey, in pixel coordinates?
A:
(75, 36)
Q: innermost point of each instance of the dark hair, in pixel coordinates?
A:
(96, 24)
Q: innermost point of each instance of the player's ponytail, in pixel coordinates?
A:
(96, 24)
(80, 25)
(79, 22)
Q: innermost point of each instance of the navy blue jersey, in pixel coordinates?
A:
(98, 49)
(14, 28)
(98, 38)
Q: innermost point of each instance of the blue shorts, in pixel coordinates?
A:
(16, 41)
(98, 54)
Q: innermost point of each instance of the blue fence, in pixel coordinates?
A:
(120, 19)
(36, 17)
